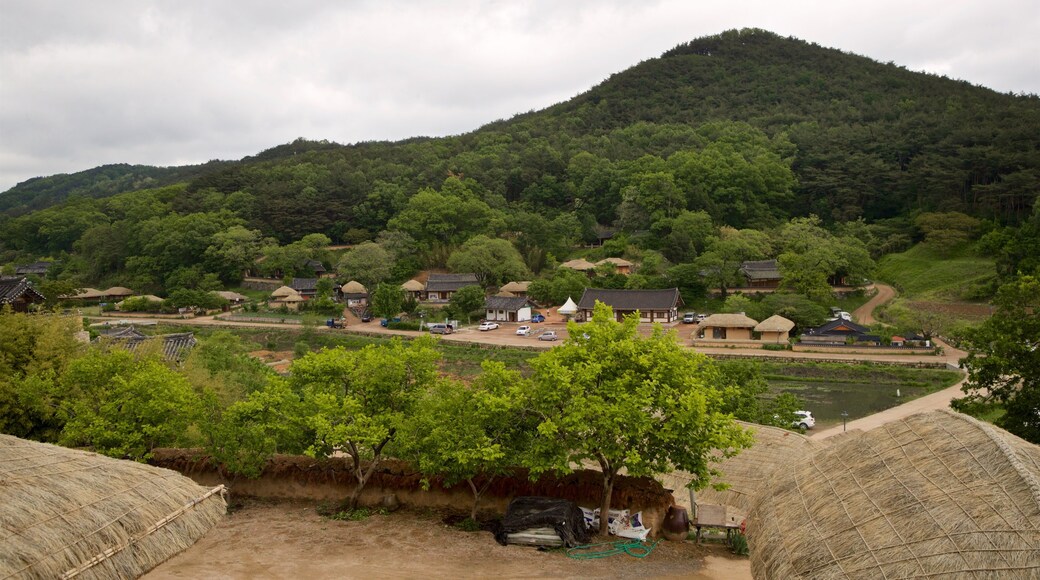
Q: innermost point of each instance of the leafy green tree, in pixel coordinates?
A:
(368, 263)
(387, 300)
(472, 433)
(232, 252)
(126, 407)
(685, 236)
(250, 432)
(466, 300)
(645, 405)
(1003, 360)
(493, 261)
(35, 351)
(360, 399)
(564, 283)
(720, 263)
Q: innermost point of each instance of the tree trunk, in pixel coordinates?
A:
(477, 493)
(608, 488)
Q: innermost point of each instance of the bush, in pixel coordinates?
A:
(774, 347)
(739, 544)
(405, 325)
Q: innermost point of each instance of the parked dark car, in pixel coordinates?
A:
(537, 318)
(366, 317)
(689, 318)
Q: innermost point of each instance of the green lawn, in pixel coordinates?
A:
(922, 273)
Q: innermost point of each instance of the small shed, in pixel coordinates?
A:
(413, 287)
(736, 326)
(516, 288)
(776, 329)
(579, 264)
(232, 297)
(508, 309)
(354, 293)
(621, 265)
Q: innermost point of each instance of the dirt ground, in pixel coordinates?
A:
(269, 539)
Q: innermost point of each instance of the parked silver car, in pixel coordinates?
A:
(549, 335)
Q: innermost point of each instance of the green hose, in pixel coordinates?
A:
(634, 548)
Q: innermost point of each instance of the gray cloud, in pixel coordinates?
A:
(84, 84)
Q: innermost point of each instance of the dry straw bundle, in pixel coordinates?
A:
(935, 495)
(747, 473)
(67, 513)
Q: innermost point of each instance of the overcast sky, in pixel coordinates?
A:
(84, 84)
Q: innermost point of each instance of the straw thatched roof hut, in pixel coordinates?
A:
(505, 294)
(938, 495)
(579, 264)
(776, 328)
(118, 291)
(354, 287)
(282, 292)
(88, 294)
(294, 297)
(231, 296)
(66, 513)
(748, 472)
(518, 288)
(413, 286)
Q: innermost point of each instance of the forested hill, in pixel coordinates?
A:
(714, 125)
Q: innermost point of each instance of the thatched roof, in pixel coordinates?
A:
(505, 294)
(619, 262)
(748, 472)
(231, 296)
(413, 286)
(88, 294)
(737, 320)
(520, 286)
(118, 291)
(354, 287)
(775, 323)
(294, 297)
(579, 264)
(67, 512)
(938, 495)
(283, 292)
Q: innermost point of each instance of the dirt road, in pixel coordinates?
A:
(289, 540)
(865, 314)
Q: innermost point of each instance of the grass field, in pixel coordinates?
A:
(922, 273)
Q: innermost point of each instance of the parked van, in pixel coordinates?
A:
(440, 329)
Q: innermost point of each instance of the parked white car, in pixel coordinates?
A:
(523, 330)
(803, 420)
(488, 325)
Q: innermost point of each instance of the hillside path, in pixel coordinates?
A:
(865, 314)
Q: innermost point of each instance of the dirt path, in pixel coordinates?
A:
(289, 540)
(865, 314)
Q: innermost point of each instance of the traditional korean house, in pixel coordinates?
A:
(652, 305)
(440, 287)
(19, 293)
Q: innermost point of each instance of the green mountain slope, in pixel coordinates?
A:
(863, 139)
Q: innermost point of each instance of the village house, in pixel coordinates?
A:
(621, 265)
(652, 305)
(761, 273)
(354, 294)
(19, 293)
(516, 288)
(838, 332)
(735, 326)
(440, 287)
(775, 330)
(508, 309)
(414, 288)
(581, 265)
(34, 269)
(175, 347)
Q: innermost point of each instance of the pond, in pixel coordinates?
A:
(827, 400)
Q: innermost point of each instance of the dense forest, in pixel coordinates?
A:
(740, 132)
